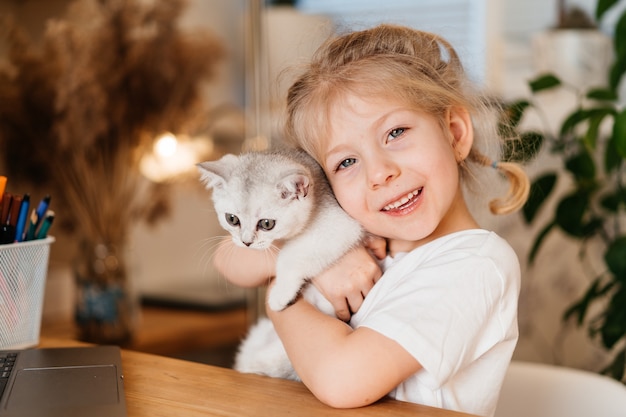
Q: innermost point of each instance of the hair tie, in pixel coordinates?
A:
(494, 165)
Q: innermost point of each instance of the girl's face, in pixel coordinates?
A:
(395, 170)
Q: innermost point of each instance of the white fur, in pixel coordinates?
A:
(291, 189)
(311, 252)
(262, 352)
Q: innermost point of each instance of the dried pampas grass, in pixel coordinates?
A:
(79, 109)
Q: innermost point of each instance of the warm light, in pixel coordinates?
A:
(172, 156)
(165, 146)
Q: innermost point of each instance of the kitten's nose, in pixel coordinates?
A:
(247, 243)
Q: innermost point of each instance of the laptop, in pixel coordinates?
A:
(55, 382)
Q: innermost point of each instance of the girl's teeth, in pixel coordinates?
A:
(402, 201)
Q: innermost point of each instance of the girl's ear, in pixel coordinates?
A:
(461, 132)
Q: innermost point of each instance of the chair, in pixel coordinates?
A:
(539, 390)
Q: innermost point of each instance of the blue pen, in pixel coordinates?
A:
(20, 226)
(43, 207)
(37, 217)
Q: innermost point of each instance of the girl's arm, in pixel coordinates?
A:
(345, 284)
(245, 267)
(342, 367)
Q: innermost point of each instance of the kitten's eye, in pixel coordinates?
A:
(232, 219)
(266, 224)
(346, 163)
(395, 133)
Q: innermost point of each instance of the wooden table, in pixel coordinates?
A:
(159, 386)
(170, 331)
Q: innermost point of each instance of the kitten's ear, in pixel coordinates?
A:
(215, 173)
(294, 186)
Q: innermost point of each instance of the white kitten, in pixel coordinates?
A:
(261, 197)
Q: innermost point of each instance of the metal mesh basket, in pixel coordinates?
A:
(23, 271)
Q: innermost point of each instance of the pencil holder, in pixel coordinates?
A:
(23, 271)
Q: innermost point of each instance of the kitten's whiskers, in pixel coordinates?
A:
(205, 252)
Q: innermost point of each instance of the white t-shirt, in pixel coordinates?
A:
(452, 304)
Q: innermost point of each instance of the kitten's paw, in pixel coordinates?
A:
(279, 300)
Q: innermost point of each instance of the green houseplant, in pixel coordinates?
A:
(591, 143)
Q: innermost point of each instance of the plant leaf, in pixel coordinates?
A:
(615, 258)
(619, 41)
(573, 120)
(538, 241)
(532, 143)
(619, 133)
(594, 291)
(544, 82)
(592, 226)
(523, 149)
(602, 94)
(617, 70)
(514, 111)
(622, 194)
(570, 212)
(603, 6)
(612, 158)
(580, 307)
(540, 190)
(619, 37)
(614, 326)
(581, 166)
(595, 119)
(616, 368)
(591, 136)
(611, 202)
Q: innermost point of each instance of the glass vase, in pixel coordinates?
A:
(106, 305)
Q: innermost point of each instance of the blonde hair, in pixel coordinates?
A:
(419, 68)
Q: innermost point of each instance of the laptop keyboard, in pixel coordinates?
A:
(7, 361)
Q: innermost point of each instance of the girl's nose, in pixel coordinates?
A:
(381, 172)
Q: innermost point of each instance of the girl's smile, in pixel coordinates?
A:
(407, 202)
(395, 169)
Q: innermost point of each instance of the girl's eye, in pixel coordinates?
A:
(266, 224)
(395, 133)
(232, 219)
(346, 163)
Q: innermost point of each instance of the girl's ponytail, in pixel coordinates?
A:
(519, 185)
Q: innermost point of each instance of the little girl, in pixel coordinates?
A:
(390, 116)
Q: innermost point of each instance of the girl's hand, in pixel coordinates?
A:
(377, 245)
(346, 283)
